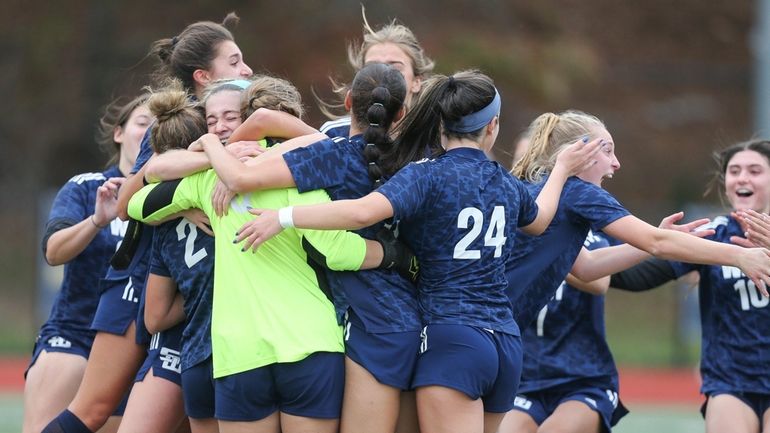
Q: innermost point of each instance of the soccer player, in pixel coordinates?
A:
(82, 232)
(733, 310)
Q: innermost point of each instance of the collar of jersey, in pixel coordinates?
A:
(468, 152)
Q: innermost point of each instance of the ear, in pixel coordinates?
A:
(416, 85)
(492, 125)
(201, 77)
(348, 101)
(117, 135)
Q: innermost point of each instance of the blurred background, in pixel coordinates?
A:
(672, 81)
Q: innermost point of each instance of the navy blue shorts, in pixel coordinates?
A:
(198, 390)
(759, 403)
(477, 362)
(309, 388)
(163, 356)
(118, 305)
(390, 357)
(542, 404)
(55, 339)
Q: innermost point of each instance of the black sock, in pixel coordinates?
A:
(66, 422)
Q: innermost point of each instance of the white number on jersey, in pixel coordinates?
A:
(494, 237)
(750, 296)
(190, 257)
(543, 311)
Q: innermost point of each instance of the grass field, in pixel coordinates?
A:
(642, 419)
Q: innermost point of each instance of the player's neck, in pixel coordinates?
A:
(456, 143)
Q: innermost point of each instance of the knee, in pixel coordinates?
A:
(95, 415)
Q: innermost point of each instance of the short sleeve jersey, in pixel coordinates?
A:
(337, 128)
(384, 300)
(567, 342)
(540, 263)
(459, 213)
(267, 306)
(735, 345)
(75, 303)
(185, 254)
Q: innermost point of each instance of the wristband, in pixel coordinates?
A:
(93, 221)
(285, 217)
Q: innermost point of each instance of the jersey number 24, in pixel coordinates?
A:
(473, 218)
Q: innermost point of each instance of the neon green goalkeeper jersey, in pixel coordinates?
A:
(268, 306)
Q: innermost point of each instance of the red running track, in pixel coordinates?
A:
(637, 385)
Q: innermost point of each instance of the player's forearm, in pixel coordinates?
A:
(175, 164)
(592, 265)
(67, 243)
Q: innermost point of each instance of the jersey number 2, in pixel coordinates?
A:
(190, 257)
(494, 237)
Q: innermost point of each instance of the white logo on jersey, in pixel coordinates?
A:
(241, 203)
(591, 401)
(522, 403)
(731, 272)
(118, 227)
(59, 342)
(80, 178)
(591, 238)
(128, 292)
(171, 360)
(613, 396)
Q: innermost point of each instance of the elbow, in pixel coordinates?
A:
(602, 288)
(52, 259)
(361, 217)
(581, 272)
(152, 322)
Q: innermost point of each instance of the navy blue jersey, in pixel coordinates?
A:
(336, 128)
(735, 347)
(539, 264)
(76, 302)
(567, 342)
(459, 213)
(384, 300)
(186, 255)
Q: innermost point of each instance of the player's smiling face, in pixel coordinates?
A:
(606, 161)
(747, 181)
(223, 113)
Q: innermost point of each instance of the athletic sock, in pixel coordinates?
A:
(66, 422)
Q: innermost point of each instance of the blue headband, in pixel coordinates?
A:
(243, 84)
(475, 121)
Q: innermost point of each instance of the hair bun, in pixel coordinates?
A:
(168, 102)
